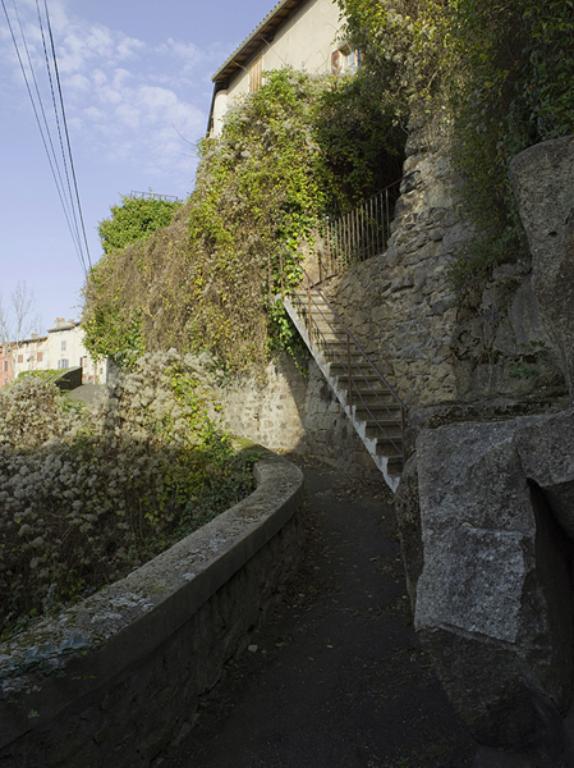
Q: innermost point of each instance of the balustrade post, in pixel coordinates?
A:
(309, 308)
(349, 370)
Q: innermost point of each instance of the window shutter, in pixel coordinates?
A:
(256, 75)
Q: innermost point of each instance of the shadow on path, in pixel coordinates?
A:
(335, 677)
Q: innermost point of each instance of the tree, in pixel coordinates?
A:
(134, 219)
(18, 321)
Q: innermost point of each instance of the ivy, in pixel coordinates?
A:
(294, 150)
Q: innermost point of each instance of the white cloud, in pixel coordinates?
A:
(126, 100)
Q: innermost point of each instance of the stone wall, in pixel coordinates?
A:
(114, 679)
(401, 303)
(434, 347)
(293, 411)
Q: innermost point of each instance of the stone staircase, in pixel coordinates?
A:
(370, 402)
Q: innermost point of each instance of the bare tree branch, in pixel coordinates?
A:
(18, 321)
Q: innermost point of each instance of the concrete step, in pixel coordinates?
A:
(387, 418)
(375, 428)
(368, 382)
(382, 406)
(372, 397)
(390, 452)
(355, 358)
(395, 467)
(359, 369)
(392, 435)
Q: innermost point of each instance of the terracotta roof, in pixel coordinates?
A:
(261, 35)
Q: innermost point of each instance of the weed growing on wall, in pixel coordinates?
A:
(84, 497)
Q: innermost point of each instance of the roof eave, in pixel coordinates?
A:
(261, 35)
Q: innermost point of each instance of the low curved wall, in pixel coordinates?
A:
(115, 678)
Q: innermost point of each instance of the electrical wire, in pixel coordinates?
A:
(55, 174)
(71, 159)
(58, 127)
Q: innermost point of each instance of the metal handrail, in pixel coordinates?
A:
(358, 234)
(350, 338)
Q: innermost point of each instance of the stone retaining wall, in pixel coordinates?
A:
(115, 678)
(432, 345)
(288, 410)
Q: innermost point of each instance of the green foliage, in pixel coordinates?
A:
(361, 142)
(499, 73)
(45, 375)
(113, 332)
(258, 198)
(86, 497)
(135, 219)
(298, 147)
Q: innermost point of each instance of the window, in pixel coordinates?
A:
(63, 346)
(256, 75)
(40, 357)
(345, 61)
(20, 358)
(63, 363)
(6, 365)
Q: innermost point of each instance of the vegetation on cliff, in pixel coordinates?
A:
(497, 73)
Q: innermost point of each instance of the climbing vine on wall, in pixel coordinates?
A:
(297, 148)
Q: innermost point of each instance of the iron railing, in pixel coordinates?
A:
(358, 234)
(311, 306)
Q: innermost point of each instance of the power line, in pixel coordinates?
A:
(39, 124)
(57, 117)
(71, 210)
(56, 70)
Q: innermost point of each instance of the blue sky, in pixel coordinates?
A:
(137, 86)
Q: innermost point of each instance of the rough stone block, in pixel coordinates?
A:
(494, 600)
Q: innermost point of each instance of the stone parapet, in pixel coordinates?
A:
(113, 679)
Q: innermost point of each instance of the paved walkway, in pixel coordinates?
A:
(335, 679)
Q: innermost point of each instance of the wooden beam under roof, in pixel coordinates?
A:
(261, 36)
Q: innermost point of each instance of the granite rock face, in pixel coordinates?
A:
(494, 603)
(542, 182)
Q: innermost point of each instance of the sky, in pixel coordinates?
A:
(136, 78)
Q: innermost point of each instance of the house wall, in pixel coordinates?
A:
(6, 365)
(65, 347)
(62, 348)
(305, 42)
(29, 355)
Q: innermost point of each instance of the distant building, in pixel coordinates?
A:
(65, 349)
(6, 364)
(302, 34)
(29, 355)
(62, 348)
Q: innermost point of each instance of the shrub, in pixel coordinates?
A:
(85, 497)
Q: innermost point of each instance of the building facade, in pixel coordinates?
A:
(6, 364)
(302, 34)
(62, 348)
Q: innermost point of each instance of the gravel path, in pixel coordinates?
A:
(335, 678)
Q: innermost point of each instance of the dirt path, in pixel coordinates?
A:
(335, 679)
